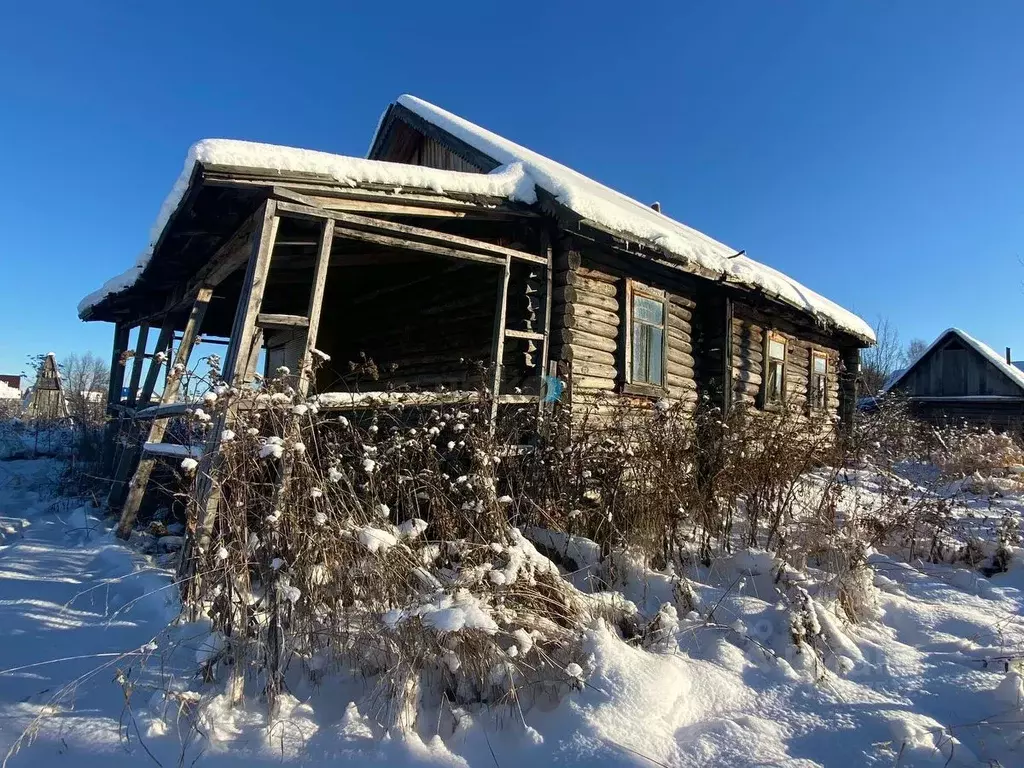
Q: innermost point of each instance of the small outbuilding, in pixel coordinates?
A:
(959, 379)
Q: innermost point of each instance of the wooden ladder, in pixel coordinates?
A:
(246, 342)
(154, 448)
(537, 322)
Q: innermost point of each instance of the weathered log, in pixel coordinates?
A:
(569, 295)
(587, 354)
(681, 358)
(584, 339)
(589, 313)
(592, 383)
(682, 302)
(586, 324)
(583, 283)
(582, 368)
(679, 323)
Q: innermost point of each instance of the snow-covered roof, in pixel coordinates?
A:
(613, 210)
(520, 174)
(511, 183)
(1016, 375)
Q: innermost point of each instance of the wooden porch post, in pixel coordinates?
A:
(137, 363)
(114, 385)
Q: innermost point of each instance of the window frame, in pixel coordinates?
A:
(630, 386)
(818, 354)
(770, 336)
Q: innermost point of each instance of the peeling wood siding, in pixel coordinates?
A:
(748, 339)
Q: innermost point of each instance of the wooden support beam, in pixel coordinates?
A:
(409, 233)
(389, 241)
(114, 386)
(498, 340)
(316, 301)
(545, 348)
(113, 427)
(137, 363)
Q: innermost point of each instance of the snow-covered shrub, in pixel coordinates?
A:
(388, 550)
(967, 452)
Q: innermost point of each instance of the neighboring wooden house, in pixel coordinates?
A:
(959, 379)
(452, 246)
(47, 400)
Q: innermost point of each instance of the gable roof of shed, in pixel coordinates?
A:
(608, 209)
(1014, 374)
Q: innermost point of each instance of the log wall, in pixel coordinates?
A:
(588, 333)
(749, 326)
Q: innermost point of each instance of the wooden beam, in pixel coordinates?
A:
(498, 340)
(413, 245)
(137, 363)
(409, 232)
(316, 301)
(281, 322)
(121, 332)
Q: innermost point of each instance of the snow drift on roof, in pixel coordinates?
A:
(620, 213)
(507, 182)
(520, 173)
(1012, 372)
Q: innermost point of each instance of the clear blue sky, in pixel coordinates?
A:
(873, 150)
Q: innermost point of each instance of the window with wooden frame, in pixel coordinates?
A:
(818, 396)
(774, 384)
(646, 315)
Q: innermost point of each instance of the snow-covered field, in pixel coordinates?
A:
(94, 671)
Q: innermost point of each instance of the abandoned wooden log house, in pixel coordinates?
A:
(451, 245)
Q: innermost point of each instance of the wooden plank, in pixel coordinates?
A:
(268, 321)
(533, 335)
(171, 410)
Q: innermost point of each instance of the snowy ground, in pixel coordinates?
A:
(79, 610)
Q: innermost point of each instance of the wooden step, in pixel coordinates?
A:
(172, 450)
(281, 322)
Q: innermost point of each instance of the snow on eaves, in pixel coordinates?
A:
(517, 178)
(1015, 374)
(510, 182)
(619, 213)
